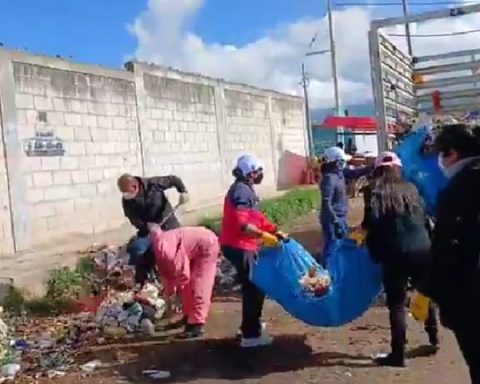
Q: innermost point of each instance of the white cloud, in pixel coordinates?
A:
(274, 60)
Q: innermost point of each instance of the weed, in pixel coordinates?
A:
(65, 282)
(280, 210)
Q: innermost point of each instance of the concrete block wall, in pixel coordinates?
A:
(180, 134)
(146, 120)
(6, 238)
(248, 129)
(96, 119)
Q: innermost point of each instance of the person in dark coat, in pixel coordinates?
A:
(394, 220)
(144, 201)
(454, 282)
(334, 206)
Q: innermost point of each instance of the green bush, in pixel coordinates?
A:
(280, 210)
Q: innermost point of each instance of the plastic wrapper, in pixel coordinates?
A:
(315, 282)
(355, 282)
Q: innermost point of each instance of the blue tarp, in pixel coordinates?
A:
(421, 170)
(356, 282)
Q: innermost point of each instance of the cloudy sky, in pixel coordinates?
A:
(260, 42)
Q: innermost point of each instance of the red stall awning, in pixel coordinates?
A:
(355, 123)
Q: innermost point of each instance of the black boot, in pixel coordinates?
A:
(192, 331)
(396, 360)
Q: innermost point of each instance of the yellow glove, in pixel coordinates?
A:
(269, 240)
(419, 305)
(359, 236)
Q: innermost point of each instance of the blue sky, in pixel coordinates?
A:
(94, 31)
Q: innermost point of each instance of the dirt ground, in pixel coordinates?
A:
(300, 354)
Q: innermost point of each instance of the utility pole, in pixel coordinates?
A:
(333, 57)
(407, 27)
(308, 122)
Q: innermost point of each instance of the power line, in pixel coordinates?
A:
(397, 3)
(438, 34)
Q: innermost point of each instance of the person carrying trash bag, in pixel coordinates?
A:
(186, 259)
(334, 206)
(397, 237)
(454, 279)
(243, 228)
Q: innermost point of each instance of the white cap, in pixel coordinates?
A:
(248, 163)
(388, 159)
(336, 154)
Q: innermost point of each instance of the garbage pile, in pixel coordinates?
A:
(33, 347)
(131, 312)
(226, 278)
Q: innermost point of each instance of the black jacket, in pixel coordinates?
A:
(392, 238)
(151, 204)
(455, 271)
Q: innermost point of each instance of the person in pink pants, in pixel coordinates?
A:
(186, 259)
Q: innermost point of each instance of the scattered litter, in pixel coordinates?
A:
(156, 374)
(91, 365)
(10, 370)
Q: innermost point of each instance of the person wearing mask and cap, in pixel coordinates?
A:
(397, 238)
(454, 279)
(334, 205)
(144, 201)
(243, 227)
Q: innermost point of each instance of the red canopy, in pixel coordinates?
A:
(356, 123)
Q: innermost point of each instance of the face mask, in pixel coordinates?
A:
(258, 178)
(128, 195)
(451, 170)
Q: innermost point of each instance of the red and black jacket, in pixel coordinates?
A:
(241, 208)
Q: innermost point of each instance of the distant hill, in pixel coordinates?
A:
(318, 115)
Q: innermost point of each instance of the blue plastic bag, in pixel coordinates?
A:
(355, 282)
(421, 170)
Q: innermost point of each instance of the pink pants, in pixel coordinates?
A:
(197, 294)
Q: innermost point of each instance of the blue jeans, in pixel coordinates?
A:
(136, 248)
(330, 240)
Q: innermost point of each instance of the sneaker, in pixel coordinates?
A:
(255, 342)
(389, 360)
(192, 331)
(238, 335)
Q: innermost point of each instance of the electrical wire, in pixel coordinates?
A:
(398, 3)
(459, 33)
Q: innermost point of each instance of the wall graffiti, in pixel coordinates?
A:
(44, 144)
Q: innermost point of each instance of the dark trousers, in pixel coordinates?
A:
(464, 321)
(395, 281)
(252, 297)
(330, 240)
(468, 338)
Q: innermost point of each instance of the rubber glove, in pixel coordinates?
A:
(269, 240)
(359, 236)
(184, 198)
